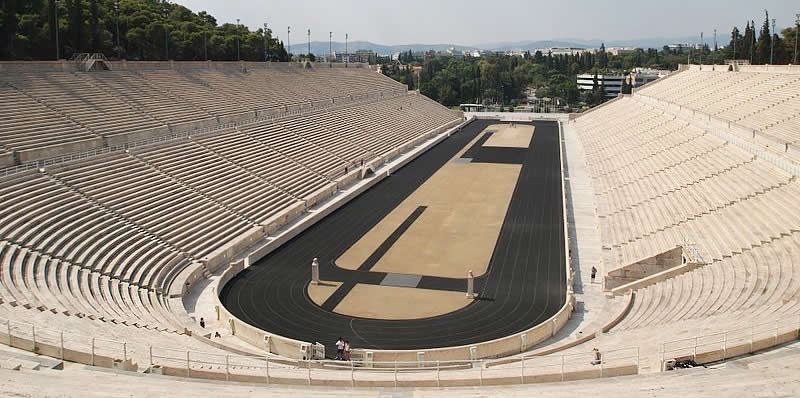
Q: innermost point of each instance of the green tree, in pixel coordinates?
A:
(764, 42)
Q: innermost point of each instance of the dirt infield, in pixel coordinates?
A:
(465, 207)
(399, 303)
(519, 136)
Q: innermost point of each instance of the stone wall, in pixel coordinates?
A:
(644, 268)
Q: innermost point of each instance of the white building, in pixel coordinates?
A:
(612, 83)
(642, 76)
(621, 50)
(561, 50)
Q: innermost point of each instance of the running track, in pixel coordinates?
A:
(525, 284)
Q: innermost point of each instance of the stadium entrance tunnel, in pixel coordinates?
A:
(394, 260)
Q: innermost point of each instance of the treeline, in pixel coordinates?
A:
(506, 79)
(130, 29)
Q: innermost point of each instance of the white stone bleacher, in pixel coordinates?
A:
(248, 194)
(146, 96)
(133, 105)
(261, 159)
(26, 123)
(767, 102)
(92, 107)
(335, 144)
(190, 88)
(661, 182)
(156, 202)
(101, 240)
(48, 217)
(294, 146)
(37, 281)
(766, 278)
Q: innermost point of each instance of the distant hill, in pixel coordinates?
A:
(652, 42)
(322, 48)
(529, 45)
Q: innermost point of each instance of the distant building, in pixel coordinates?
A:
(458, 54)
(621, 50)
(683, 47)
(612, 83)
(561, 50)
(641, 76)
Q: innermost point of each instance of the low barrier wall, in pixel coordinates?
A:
(321, 194)
(122, 139)
(30, 155)
(225, 254)
(7, 160)
(186, 279)
(732, 343)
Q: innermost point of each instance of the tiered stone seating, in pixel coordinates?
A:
(56, 109)
(174, 212)
(94, 108)
(92, 247)
(766, 102)
(266, 162)
(48, 217)
(197, 92)
(661, 182)
(26, 123)
(265, 89)
(306, 127)
(246, 193)
(147, 97)
(294, 146)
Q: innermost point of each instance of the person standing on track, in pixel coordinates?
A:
(340, 349)
(347, 350)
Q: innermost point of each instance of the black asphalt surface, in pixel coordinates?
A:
(525, 283)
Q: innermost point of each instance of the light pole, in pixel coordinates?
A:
(330, 46)
(289, 43)
(238, 57)
(796, 32)
(715, 41)
(205, 32)
(166, 31)
(346, 53)
(772, 42)
(702, 48)
(55, 8)
(265, 42)
(309, 44)
(119, 48)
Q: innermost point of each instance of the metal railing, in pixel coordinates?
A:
(265, 368)
(730, 343)
(103, 352)
(96, 351)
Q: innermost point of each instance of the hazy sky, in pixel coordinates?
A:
(471, 22)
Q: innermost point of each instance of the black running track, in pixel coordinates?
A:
(525, 283)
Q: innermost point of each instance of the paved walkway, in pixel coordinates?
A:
(584, 239)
